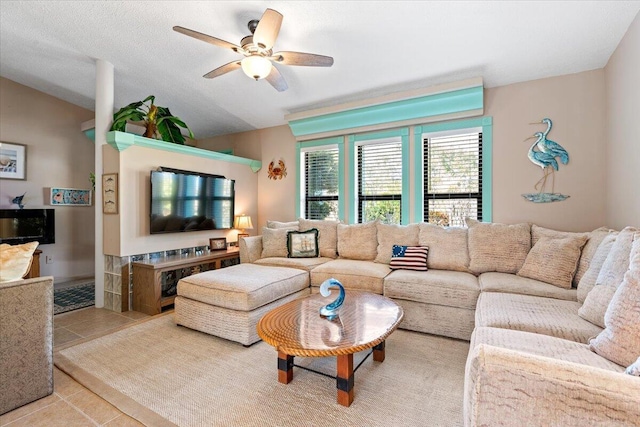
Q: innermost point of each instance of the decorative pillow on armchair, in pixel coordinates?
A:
(302, 244)
(15, 260)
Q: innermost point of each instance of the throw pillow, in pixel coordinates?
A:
(634, 368)
(497, 247)
(292, 225)
(538, 232)
(595, 238)
(409, 258)
(302, 244)
(15, 260)
(619, 342)
(448, 248)
(327, 235)
(609, 279)
(358, 241)
(274, 242)
(588, 280)
(554, 260)
(390, 235)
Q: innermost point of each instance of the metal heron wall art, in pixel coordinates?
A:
(545, 158)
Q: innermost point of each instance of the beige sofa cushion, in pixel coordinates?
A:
(547, 316)
(243, 287)
(542, 345)
(391, 234)
(595, 238)
(358, 241)
(292, 225)
(448, 248)
(589, 278)
(327, 235)
(274, 242)
(554, 259)
(513, 284)
(15, 260)
(441, 287)
(538, 232)
(609, 278)
(498, 247)
(306, 264)
(620, 341)
(357, 275)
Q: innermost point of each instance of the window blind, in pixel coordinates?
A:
(453, 178)
(380, 182)
(321, 183)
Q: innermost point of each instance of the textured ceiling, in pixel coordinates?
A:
(379, 47)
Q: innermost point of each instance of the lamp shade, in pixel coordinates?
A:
(256, 66)
(243, 222)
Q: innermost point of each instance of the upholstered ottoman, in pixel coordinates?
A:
(229, 302)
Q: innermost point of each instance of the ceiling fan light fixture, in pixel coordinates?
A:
(256, 66)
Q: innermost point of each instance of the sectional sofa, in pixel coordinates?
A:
(553, 318)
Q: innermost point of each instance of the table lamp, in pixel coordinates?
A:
(242, 222)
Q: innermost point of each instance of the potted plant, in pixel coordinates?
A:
(157, 120)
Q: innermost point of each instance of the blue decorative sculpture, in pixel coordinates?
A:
(330, 311)
(18, 201)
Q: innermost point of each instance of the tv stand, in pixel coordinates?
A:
(155, 281)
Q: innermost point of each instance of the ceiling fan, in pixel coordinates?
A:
(259, 59)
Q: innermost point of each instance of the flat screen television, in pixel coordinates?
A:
(190, 201)
(19, 226)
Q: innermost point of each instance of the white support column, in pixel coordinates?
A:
(104, 116)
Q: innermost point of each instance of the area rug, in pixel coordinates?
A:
(164, 375)
(73, 298)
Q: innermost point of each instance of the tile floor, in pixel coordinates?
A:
(71, 404)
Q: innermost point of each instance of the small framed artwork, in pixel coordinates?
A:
(13, 161)
(110, 193)
(218, 243)
(70, 197)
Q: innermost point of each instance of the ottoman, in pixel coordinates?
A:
(229, 302)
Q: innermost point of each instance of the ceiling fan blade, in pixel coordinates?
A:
(276, 80)
(207, 38)
(223, 70)
(301, 58)
(267, 29)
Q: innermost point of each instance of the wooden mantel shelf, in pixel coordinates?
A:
(122, 140)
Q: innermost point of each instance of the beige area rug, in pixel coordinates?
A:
(163, 374)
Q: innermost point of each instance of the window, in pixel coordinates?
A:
(321, 183)
(379, 168)
(452, 177)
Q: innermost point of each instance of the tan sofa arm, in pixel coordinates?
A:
(250, 249)
(507, 387)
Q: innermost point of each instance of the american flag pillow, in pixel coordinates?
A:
(409, 258)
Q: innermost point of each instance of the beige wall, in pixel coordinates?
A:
(128, 232)
(622, 82)
(574, 102)
(58, 154)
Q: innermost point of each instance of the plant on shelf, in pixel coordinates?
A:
(157, 120)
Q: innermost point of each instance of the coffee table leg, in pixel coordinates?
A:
(378, 352)
(344, 380)
(285, 368)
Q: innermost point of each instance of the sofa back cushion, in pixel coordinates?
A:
(291, 225)
(274, 242)
(448, 248)
(619, 342)
(390, 235)
(589, 278)
(497, 247)
(358, 241)
(15, 260)
(327, 235)
(609, 279)
(554, 259)
(595, 238)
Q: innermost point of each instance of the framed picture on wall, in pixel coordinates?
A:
(69, 197)
(13, 161)
(110, 193)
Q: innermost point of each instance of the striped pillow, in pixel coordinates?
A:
(409, 258)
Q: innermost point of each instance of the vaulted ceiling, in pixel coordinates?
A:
(379, 47)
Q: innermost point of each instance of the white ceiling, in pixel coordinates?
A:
(379, 47)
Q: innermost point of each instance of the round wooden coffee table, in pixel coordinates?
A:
(297, 329)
